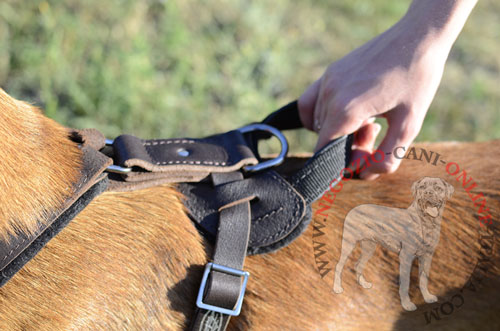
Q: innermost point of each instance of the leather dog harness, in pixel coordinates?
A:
(239, 202)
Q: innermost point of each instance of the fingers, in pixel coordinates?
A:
(364, 142)
(339, 121)
(403, 129)
(306, 104)
(321, 111)
(355, 115)
(364, 138)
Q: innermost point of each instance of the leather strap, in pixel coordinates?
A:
(182, 159)
(223, 290)
(281, 211)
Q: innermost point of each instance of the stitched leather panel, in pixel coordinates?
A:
(277, 209)
(94, 163)
(219, 153)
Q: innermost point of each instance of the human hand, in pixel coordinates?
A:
(395, 76)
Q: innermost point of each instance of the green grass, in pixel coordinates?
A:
(192, 68)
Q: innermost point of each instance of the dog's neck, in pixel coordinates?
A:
(38, 165)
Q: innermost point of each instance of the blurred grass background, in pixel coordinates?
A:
(191, 68)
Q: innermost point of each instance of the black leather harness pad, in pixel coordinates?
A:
(279, 212)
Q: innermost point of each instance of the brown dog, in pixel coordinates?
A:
(134, 260)
(411, 232)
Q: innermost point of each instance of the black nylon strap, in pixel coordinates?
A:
(323, 170)
(230, 250)
(285, 118)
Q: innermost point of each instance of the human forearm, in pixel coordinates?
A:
(438, 21)
(394, 75)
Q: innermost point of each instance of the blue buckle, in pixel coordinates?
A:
(230, 271)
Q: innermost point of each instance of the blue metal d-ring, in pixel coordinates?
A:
(275, 132)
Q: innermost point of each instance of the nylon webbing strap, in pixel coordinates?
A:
(285, 118)
(224, 291)
(323, 170)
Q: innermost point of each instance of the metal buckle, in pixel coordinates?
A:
(275, 132)
(230, 271)
(114, 168)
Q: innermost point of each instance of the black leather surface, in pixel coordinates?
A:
(277, 210)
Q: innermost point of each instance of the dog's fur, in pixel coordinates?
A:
(410, 232)
(134, 260)
(36, 166)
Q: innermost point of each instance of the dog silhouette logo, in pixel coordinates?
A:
(412, 232)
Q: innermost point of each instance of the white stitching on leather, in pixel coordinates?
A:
(193, 162)
(166, 142)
